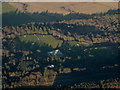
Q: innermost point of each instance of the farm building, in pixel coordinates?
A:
(50, 66)
(56, 53)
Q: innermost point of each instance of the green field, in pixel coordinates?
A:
(73, 43)
(42, 39)
(77, 44)
(6, 8)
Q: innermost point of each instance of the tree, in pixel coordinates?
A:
(69, 34)
(45, 74)
(37, 66)
(33, 27)
(44, 28)
(78, 57)
(26, 28)
(27, 58)
(48, 59)
(49, 30)
(17, 11)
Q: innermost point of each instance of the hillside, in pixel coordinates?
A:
(22, 13)
(66, 8)
(32, 42)
(6, 8)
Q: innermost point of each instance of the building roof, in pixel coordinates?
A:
(57, 53)
(50, 66)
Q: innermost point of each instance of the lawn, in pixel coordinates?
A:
(6, 8)
(73, 43)
(76, 44)
(41, 40)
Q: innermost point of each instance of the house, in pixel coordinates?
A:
(69, 49)
(51, 66)
(24, 35)
(96, 48)
(56, 53)
(33, 43)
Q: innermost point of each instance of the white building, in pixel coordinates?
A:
(57, 53)
(51, 66)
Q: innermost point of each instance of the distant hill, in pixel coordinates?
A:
(22, 13)
(66, 7)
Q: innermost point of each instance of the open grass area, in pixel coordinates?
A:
(77, 44)
(73, 43)
(68, 7)
(41, 40)
(6, 8)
